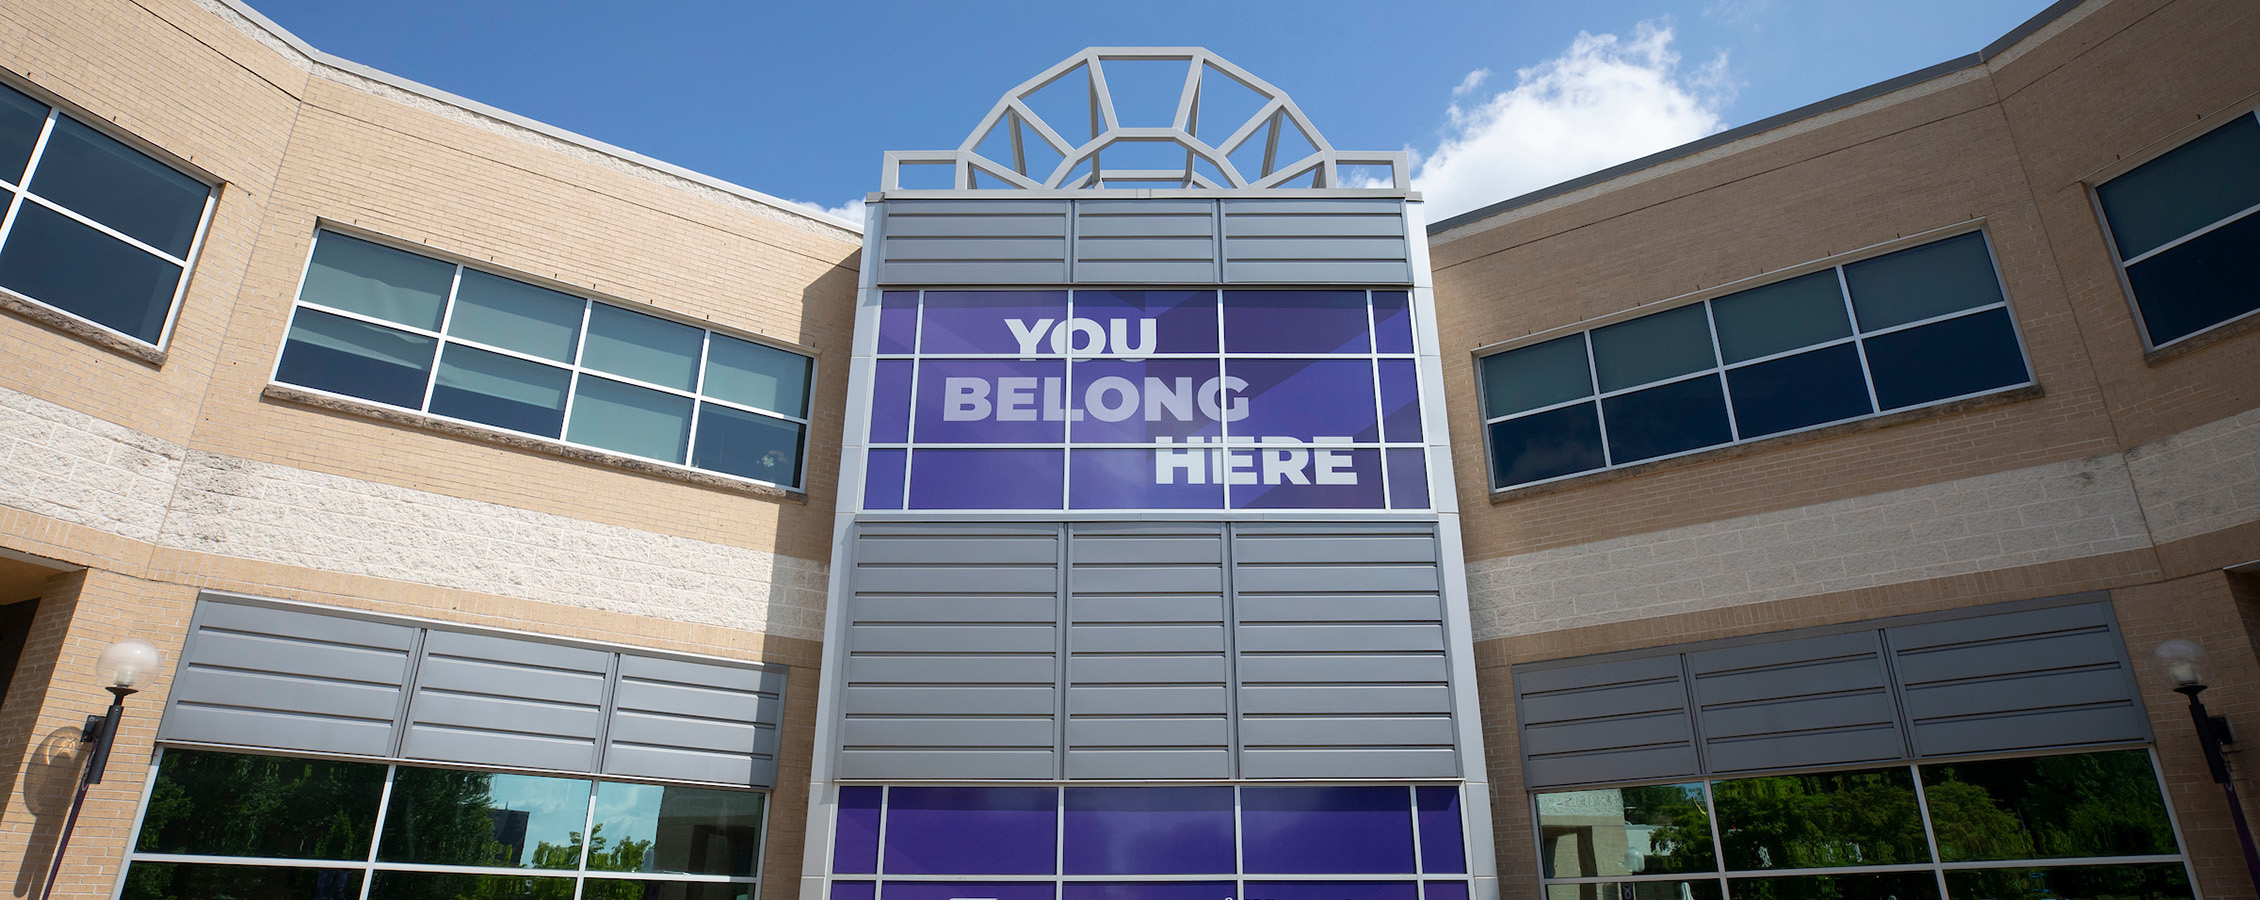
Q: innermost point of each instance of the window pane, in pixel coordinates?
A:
(1661, 421)
(2091, 804)
(646, 348)
(227, 804)
(2199, 183)
(749, 445)
(448, 886)
(1652, 348)
(1392, 322)
(357, 359)
(1691, 889)
(1442, 849)
(517, 316)
(1650, 830)
(394, 285)
(1332, 890)
(1815, 821)
(655, 828)
(1762, 321)
(1148, 890)
(629, 419)
(1920, 282)
(757, 375)
(970, 831)
(1325, 830)
(2152, 881)
(1945, 359)
(2199, 284)
(1149, 831)
(196, 881)
(98, 177)
(1295, 322)
(1798, 391)
(1879, 886)
(1546, 445)
(1535, 376)
(620, 889)
(855, 828)
(502, 391)
(21, 118)
(57, 261)
(898, 322)
(455, 818)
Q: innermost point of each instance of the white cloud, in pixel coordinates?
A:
(851, 211)
(1603, 101)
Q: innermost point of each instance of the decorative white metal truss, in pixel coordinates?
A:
(1272, 148)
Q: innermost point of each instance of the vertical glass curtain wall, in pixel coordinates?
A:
(1150, 842)
(2186, 230)
(384, 325)
(1921, 326)
(94, 228)
(2081, 826)
(257, 827)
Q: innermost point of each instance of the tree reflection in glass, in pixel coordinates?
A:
(1814, 821)
(2050, 807)
(1877, 886)
(231, 804)
(660, 828)
(2152, 881)
(454, 817)
(1652, 829)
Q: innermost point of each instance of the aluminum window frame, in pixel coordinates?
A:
(1719, 369)
(574, 367)
(2120, 264)
(371, 865)
(1721, 875)
(16, 193)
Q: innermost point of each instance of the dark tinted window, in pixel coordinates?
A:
(1664, 420)
(1918, 283)
(1653, 348)
(101, 178)
(357, 359)
(502, 391)
(21, 119)
(1795, 392)
(1779, 317)
(229, 804)
(57, 261)
(2209, 280)
(1546, 445)
(2199, 183)
(752, 445)
(1820, 821)
(2089, 804)
(1535, 376)
(1945, 359)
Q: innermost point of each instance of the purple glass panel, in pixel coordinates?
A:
(1408, 478)
(882, 478)
(991, 401)
(1331, 890)
(1302, 398)
(1295, 322)
(1118, 401)
(1324, 831)
(1392, 322)
(1159, 478)
(1400, 400)
(1441, 848)
(855, 833)
(1444, 890)
(950, 478)
(1150, 890)
(854, 890)
(982, 321)
(967, 890)
(1149, 831)
(970, 831)
(1332, 477)
(898, 322)
(890, 401)
(1184, 321)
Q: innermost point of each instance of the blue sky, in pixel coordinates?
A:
(798, 100)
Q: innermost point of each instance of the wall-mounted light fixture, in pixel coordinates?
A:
(123, 668)
(2185, 666)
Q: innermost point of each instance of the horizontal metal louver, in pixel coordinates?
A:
(974, 242)
(507, 702)
(1006, 241)
(262, 677)
(1149, 688)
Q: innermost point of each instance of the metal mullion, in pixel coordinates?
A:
(1675, 379)
(195, 248)
(1930, 834)
(505, 871)
(751, 409)
(588, 824)
(1711, 814)
(1219, 459)
(82, 219)
(698, 399)
(1785, 354)
(446, 318)
(140, 812)
(2061, 862)
(1239, 837)
(1867, 374)
(633, 381)
(2232, 218)
(573, 384)
(1067, 475)
(365, 318)
(1550, 407)
(198, 858)
(499, 350)
(910, 428)
(1412, 792)
(31, 165)
(1605, 879)
(376, 836)
(1380, 409)
(2173, 819)
(878, 865)
(1593, 379)
(1933, 320)
(1718, 365)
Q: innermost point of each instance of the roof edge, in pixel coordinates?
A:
(332, 61)
(1769, 123)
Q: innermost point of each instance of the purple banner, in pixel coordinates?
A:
(978, 321)
(1326, 831)
(1331, 890)
(992, 401)
(1138, 478)
(890, 401)
(1302, 398)
(1294, 475)
(1122, 401)
(1400, 400)
(1184, 321)
(855, 832)
(1408, 478)
(967, 890)
(1150, 890)
(969, 831)
(1148, 831)
(949, 478)
(1441, 849)
(1295, 322)
(882, 477)
(898, 322)
(1392, 322)
(855, 890)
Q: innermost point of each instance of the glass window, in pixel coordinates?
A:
(21, 120)
(56, 260)
(674, 830)
(1667, 419)
(1653, 348)
(1799, 391)
(460, 886)
(1296, 322)
(517, 357)
(1688, 889)
(1547, 445)
(1935, 279)
(1443, 848)
(99, 177)
(1942, 360)
(1148, 831)
(457, 818)
(227, 804)
(971, 831)
(2202, 194)
(1780, 317)
(1864, 886)
(1325, 830)
(1649, 830)
(2147, 881)
(2090, 804)
(195, 881)
(1534, 376)
(609, 889)
(1818, 821)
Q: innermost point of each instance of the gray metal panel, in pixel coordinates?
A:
(1428, 762)
(974, 242)
(1618, 720)
(2048, 677)
(951, 669)
(266, 677)
(1315, 241)
(706, 721)
(506, 702)
(1818, 700)
(1148, 691)
(1145, 242)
